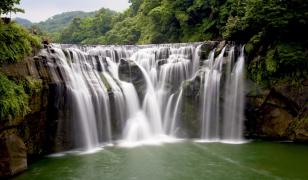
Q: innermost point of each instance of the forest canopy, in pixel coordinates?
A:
(167, 21)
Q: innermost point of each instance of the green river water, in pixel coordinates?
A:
(180, 161)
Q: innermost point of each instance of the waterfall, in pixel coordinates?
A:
(222, 112)
(134, 93)
(234, 99)
(210, 106)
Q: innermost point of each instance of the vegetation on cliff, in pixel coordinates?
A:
(16, 43)
(13, 99)
(277, 40)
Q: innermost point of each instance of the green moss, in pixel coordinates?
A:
(13, 99)
(271, 62)
(16, 43)
(249, 47)
(105, 82)
(31, 85)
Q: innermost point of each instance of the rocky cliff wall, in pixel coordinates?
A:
(32, 136)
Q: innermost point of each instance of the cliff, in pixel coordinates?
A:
(32, 136)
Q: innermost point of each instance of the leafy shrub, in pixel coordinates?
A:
(15, 43)
(31, 85)
(282, 62)
(13, 99)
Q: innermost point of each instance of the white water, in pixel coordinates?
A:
(223, 112)
(101, 103)
(234, 100)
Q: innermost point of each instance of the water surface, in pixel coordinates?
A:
(180, 161)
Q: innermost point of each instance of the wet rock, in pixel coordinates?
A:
(207, 47)
(52, 51)
(163, 53)
(189, 126)
(36, 58)
(130, 72)
(13, 156)
(220, 47)
(299, 128)
(301, 133)
(125, 70)
(37, 129)
(161, 62)
(276, 122)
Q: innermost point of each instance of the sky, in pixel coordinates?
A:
(40, 10)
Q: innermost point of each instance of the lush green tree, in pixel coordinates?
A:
(7, 6)
(119, 35)
(59, 22)
(276, 32)
(135, 5)
(89, 29)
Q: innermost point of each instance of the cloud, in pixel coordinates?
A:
(38, 10)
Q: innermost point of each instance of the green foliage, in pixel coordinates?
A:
(292, 56)
(271, 63)
(13, 99)
(283, 61)
(31, 86)
(7, 6)
(276, 18)
(276, 35)
(135, 5)
(61, 21)
(148, 21)
(15, 43)
(89, 29)
(119, 35)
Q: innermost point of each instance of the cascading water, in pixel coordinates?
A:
(222, 113)
(104, 106)
(234, 99)
(210, 97)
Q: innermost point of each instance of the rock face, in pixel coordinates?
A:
(31, 136)
(130, 72)
(13, 156)
(279, 113)
(300, 127)
(190, 122)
